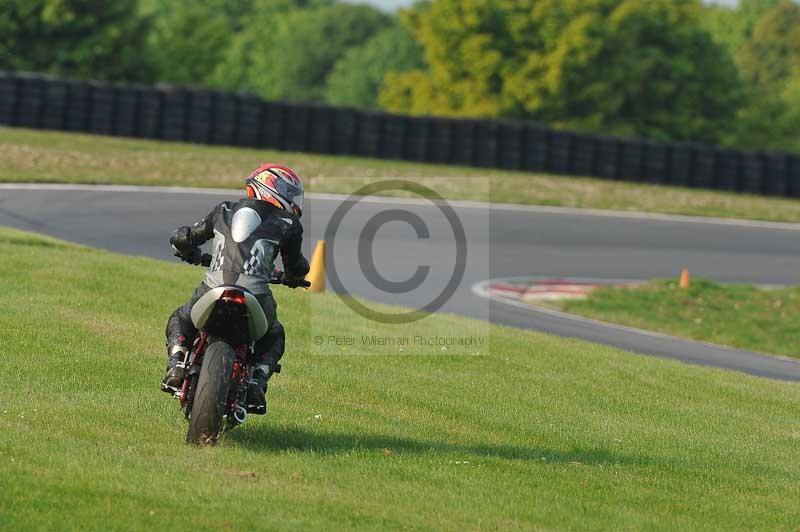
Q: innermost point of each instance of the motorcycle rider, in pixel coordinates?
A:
(247, 237)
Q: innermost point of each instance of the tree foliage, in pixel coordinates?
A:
(78, 38)
(189, 39)
(772, 53)
(769, 61)
(288, 54)
(770, 120)
(356, 78)
(623, 66)
(731, 26)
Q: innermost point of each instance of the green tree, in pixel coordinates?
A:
(772, 53)
(234, 11)
(730, 26)
(79, 38)
(288, 50)
(621, 66)
(790, 140)
(358, 75)
(188, 40)
(769, 61)
(255, 28)
(770, 120)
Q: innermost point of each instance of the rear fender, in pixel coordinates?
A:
(257, 323)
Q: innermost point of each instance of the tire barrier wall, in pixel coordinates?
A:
(213, 117)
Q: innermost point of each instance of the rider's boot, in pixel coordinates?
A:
(176, 373)
(257, 390)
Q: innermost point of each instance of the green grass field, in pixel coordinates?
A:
(41, 156)
(541, 433)
(736, 315)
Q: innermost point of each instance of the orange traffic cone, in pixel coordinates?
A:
(316, 275)
(686, 279)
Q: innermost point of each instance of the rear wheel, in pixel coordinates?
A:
(211, 395)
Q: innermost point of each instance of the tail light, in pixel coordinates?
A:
(233, 296)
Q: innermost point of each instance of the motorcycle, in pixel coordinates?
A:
(229, 320)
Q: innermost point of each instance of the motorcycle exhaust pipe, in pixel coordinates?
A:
(240, 414)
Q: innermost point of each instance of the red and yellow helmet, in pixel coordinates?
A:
(278, 185)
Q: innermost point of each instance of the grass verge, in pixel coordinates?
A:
(43, 156)
(736, 315)
(543, 433)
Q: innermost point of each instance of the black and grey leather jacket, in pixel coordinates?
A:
(247, 237)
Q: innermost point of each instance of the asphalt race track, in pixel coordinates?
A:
(501, 241)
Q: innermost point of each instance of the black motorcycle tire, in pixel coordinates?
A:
(213, 383)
